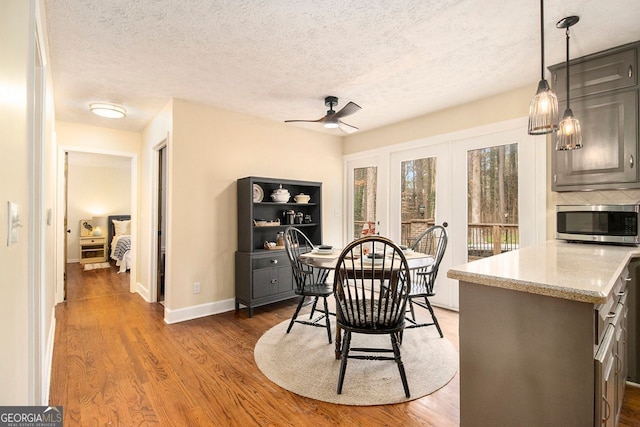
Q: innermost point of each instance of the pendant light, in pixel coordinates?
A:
(569, 133)
(543, 110)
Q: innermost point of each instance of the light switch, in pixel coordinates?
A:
(13, 223)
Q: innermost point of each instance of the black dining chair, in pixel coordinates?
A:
(371, 287)
(310, 281)
(432, 241)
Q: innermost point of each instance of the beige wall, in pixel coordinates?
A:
(504, 106)
(98, 139)
(14, 182)
(211, 149)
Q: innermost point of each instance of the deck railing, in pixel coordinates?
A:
(483, 239)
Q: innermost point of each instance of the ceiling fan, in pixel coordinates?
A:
(332, 119)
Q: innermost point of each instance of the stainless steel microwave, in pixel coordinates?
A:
(613, 223)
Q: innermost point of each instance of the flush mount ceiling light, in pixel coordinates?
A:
(543, 110)
(110, 111)
(569, 133)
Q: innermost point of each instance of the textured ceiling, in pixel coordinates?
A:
(278, 59)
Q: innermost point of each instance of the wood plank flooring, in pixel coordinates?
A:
(116, 362)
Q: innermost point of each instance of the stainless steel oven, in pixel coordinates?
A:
(612, 223)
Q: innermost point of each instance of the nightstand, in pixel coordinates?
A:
(93, 249)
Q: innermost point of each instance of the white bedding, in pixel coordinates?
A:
(124, 261)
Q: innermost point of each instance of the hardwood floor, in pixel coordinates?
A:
(116, 362)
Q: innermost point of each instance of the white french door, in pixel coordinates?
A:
(366, 197)
(419, 196)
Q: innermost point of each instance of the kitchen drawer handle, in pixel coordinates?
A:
(610, 315)
(627, 279)
(631, 160)
(630, 71)
(607, 409)
(274, 281)
(274, 261)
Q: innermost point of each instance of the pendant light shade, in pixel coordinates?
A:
(569, 133)
(543, 110)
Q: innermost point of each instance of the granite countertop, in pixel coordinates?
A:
(574, 271)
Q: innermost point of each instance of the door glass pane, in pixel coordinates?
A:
(418, 190)
(365, 182)
(492, 186)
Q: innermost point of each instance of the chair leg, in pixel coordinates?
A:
(313, 307)
(295, 315)
(413, 313)
(433, 316)
(396, 353)
(326, 318)
(346, 343)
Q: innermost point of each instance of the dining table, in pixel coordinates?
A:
(328, 259)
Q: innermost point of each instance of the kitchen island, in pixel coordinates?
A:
(543, 335)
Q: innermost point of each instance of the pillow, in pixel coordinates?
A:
(122, 227)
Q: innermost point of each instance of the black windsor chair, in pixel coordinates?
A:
(432, 241)
(310, 281)
(371, 292)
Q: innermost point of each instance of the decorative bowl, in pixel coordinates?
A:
(280, 195)
(280, 198)
(302, 198)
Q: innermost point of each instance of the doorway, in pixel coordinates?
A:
(162, 222)
(97, 211)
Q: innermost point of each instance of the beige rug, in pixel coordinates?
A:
(304, 363)
(96, 266)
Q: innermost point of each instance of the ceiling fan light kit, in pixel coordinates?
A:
(108, 110)
(332, 119)
(569, 134)
(543, 109)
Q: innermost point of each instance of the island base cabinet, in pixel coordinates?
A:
(525, 359)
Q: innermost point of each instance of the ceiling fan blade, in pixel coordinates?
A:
(348, 109)
(347, 128)
(307, 121)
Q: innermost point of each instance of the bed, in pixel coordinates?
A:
(119, 240)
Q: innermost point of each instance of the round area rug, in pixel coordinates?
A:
(304, 363)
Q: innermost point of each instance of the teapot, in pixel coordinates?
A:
(280, 195)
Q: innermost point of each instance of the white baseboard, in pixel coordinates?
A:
(143, 291)
(48, 361)
(196, 311)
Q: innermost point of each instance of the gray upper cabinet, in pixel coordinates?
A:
(604, 97)
(597, 73)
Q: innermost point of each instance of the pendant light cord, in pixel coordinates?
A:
(568, 97)
(542, 39)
